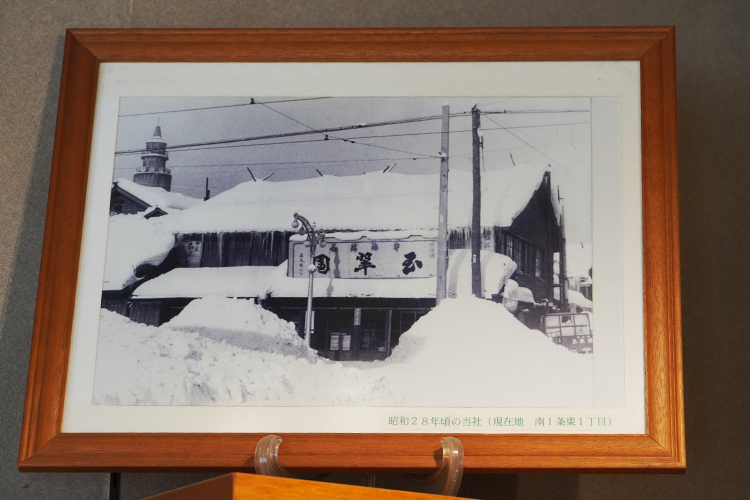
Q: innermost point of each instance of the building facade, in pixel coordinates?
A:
(370, 286)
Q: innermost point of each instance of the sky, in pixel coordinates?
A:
(550, 131)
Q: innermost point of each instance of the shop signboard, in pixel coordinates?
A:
(361, 257)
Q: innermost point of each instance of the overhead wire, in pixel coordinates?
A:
(538, 150)
(317, 162)
(334, 129)
(253, 102)
(308, 141)
(346, 139)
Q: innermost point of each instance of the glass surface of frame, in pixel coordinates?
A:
(619, 89)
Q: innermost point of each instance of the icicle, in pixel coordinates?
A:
(269, 253)
(221, 250)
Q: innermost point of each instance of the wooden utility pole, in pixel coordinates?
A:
(563, 256)
(442, 249)
(476, 228)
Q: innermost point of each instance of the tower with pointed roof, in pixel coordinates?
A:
(154, 172)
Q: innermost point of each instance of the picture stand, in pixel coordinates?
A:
(445, 481)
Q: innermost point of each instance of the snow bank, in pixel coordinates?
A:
(375, 201)
(578, 299)
(471, 352)
(241, 323)
(467, 352)
(131, 242)
(143, 365)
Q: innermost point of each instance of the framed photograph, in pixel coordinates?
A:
(361, 241)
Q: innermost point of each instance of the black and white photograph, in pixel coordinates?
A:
(349, 251)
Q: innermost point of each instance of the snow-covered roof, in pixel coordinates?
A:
(373, 201)
(262, 281)
(156, 196)
(194, 282)
(132, 241)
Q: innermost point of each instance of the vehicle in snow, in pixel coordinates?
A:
(570, 330)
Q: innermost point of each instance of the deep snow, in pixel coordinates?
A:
(133, 241)
(466, 352)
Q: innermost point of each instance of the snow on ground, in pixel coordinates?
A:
(241, 323)
(131, 242)
(465, 353)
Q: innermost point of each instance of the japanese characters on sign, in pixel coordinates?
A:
(366, 257)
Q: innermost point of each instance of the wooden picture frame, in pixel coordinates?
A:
(44, 447)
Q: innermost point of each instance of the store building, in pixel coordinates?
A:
(376, 277)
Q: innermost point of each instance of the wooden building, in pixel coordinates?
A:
(246, 232)
(127, 197)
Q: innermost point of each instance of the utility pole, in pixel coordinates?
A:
(442, 249)
(476, 228)
(563, 256)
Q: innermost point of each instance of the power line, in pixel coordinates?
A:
(281, 143)
(537, 150)
(293, 134)
(551, 145)
(345, 139)
(252, 102)
(533, 111)
(339, 129)
(320, 162)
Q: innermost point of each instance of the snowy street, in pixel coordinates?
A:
(466, 352)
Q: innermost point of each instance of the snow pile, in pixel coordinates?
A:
(241, 323)
(133, 241)
(467, 352)
(156, 196)
(143, 365)
(475, 353)
(496, 269)
(375, 201)
(578, 299)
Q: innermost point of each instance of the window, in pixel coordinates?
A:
(509, 247)
(537, 263)
(528, 258)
